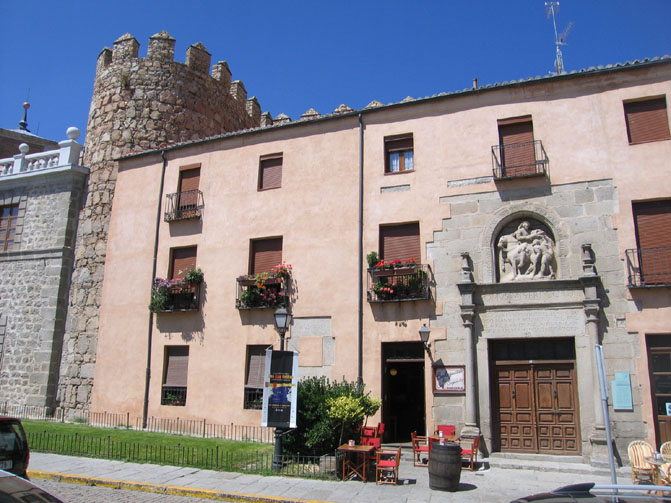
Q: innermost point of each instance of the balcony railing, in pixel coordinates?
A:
(176, 299)
(518, 160)
(266, 291)
(173, 395)
(183, 205)
(399, 284)
(649, 267)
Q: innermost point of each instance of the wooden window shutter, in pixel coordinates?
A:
(189, 181)
(256, 366)
(400, 242)
(182, 260)
(270, 172)
(647, 120)
(176, 366)
(653, 221)
(266, 254)
(517, 149)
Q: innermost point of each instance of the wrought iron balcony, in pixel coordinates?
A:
(174, 296)
(399, 284)
(519, 160)
(647, 267)
(183, 205)
(173, 395)
(265, 290)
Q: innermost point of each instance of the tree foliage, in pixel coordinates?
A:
(327, 413)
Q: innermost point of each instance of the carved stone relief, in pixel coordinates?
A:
(525, 250)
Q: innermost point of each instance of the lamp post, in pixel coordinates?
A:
(424, 336)
(282, 317)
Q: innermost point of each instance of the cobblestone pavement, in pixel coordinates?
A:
(77, 493)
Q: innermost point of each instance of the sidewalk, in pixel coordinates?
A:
(492, 485)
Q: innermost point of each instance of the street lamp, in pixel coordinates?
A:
(424, 336)
(282, 317)
(282, 324)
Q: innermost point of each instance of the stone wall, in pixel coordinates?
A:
(33, 293)
(138, 104)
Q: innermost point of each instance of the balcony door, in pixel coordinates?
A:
(516, 137)
(653, 221)
(659, 365)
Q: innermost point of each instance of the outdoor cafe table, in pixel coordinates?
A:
(657, 462)
(355, 460)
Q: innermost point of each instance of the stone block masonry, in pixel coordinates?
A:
(138, 104)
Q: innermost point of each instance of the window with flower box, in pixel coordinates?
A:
(180, 291)
(398, 275)
(266, 284)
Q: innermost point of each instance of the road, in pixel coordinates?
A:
(76, 493)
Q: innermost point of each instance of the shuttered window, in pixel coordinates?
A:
(266, 254)
(270, 172)
(189, 181)
(8, 216)
(176, 365)
(647, 120)
(256, 365)
(653, 221)
(516, 139)
(399, 153)
(400, 242)
(182, 259)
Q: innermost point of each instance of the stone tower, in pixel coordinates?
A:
(138, 104)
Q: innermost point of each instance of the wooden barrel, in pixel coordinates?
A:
(445, 466)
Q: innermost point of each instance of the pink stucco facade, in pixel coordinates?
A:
(585, 197)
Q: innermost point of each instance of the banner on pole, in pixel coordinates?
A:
(280, 397)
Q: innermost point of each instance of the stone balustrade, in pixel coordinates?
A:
(24, 164)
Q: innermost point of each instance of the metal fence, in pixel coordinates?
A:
(176, 426)
(211, 458)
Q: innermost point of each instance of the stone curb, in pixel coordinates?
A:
(161, 489)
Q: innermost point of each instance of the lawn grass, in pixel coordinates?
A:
(123, 435)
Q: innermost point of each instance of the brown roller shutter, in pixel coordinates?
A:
(399, 143)
(176, 366)
(182, 260)
(400, 242)
(189, 180)
(517, 148)
(266, 254)
(653, 225)
(270, 172)
(647, 120)
(256, 367)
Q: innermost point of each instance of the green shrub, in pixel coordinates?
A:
(328, 414)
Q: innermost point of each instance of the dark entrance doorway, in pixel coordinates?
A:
(534, 396)
(659, 364)
(403, 404)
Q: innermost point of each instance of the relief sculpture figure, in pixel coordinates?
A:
(525, 255)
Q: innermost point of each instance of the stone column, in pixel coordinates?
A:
(592, 306)
(466, 288)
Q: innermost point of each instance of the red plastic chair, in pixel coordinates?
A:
(448, 431)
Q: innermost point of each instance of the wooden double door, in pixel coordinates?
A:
(535, 407)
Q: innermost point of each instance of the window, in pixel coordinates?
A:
(400, 242)
(182, 260)
(270, 171)
(653, 221)
(646, 120)
(516, 143)
(8, 216)
(189, 180)
(398, 152)
(254, 376)
(266, 254)
(175, 369)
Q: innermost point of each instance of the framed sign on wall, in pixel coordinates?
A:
(449, 379)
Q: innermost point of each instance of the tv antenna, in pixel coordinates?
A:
(550, 8)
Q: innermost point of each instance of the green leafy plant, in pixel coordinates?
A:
(320, 432)
(194, 276)
(372, 259)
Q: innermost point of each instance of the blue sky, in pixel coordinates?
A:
(296, 55)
